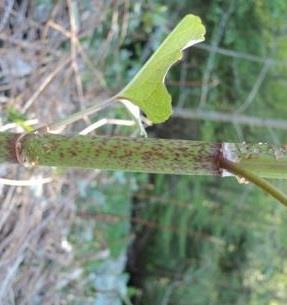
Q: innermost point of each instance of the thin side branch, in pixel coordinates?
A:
(61, 124)
(251, 177)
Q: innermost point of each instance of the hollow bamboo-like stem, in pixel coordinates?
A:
(111, 153)
(141, 154)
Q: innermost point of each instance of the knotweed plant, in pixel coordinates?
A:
(147, 91)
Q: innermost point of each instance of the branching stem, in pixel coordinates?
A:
(249, 176)
(61, 124)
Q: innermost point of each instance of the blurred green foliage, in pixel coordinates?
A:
(196, 240)
(204, 240)
(216, 243)
(109, 205)
(100, 236)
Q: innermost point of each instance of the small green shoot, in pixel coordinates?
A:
(15, 116)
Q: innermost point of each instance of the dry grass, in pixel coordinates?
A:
(42, 63)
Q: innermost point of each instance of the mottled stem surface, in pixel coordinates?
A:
(112, 153)
(141, 154)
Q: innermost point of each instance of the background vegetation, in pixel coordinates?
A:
(145, 239)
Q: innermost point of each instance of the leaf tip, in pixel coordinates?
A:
(147, 89)
(197, 27)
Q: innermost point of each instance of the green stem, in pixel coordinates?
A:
(149, 155)
(142, 154)
(263, 159)
(79, 115)
(112, 153)
(249, 176)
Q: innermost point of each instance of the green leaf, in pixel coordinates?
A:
(147, 89)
